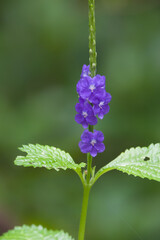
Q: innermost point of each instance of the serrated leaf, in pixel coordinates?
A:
(143, 162)
(47, 157)
(34, 233)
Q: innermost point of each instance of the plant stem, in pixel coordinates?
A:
(93, 64)
(84, 212)
(92, 38)
(89, 167)
(89, 160)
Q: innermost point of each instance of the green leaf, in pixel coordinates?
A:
(47, 157)
(34, 233)
(143, 162)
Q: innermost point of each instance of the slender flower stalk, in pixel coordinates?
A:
(92, 38)
(93, 103)
(93, 63)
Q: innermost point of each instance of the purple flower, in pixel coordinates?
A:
(85, 71)
(85, 114)
(92, 142)
(91, 88)
(81, 100)
(101, 108)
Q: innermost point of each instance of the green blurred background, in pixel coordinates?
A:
(43, 45)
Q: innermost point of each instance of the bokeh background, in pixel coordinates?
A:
(43, 45)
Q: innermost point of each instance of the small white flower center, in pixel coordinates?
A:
(93, 142)
(84, 114)
(85, 74)
(101, 104)
(92, 87)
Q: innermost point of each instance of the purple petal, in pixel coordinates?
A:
(93, 152)
(78, 87)
(98, 135)
(84, 106)
(87, 107)
(108, 97)
(85, 147)
(79, 118)
(84, 123)
(92, 120)
(82, 85)
(97, 95)
(106, 109)
(79, 107)
(86, 136)
(100, 114)
(96, 109)
(99, 80)
(92, 98)
(81, 100)
(100, 147)
(100, 93)
(84, 82)
(85, 71)
(85, 93)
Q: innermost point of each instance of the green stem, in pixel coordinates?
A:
(93, 65)
(92, 38)
(84, 212)
(89, 167)
(89, 160)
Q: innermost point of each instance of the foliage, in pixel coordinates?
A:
(47, 157)
(34, 233)
(143, 162)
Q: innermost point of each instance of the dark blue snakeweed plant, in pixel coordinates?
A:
(93, 103)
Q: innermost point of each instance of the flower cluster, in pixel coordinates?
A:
(93, 101)
(92, 142)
